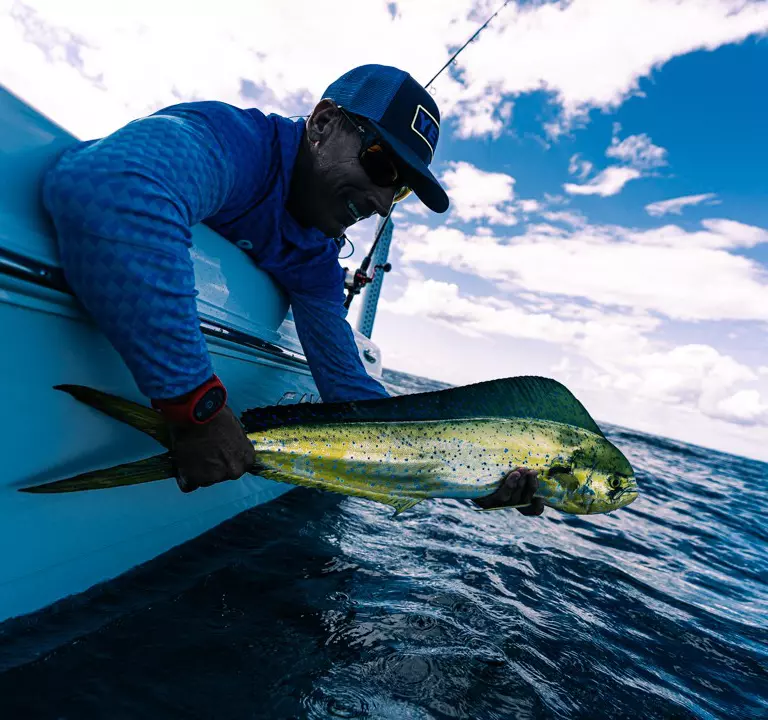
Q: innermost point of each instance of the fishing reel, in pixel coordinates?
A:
(361, 278)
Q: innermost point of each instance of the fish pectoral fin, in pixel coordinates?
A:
(402, 504)
(151, 469)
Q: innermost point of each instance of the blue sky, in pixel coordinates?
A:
(605, 162)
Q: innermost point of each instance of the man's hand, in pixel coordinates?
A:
(211, 453)
(517, 488)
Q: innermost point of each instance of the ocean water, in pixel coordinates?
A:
(316, 606)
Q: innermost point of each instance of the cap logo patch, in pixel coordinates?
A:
(426, 127)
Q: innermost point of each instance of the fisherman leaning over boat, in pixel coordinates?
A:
(283, 191)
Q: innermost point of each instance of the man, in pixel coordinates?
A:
(284, 192)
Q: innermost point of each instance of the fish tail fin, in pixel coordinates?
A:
(142, 418)
(158, 467)
(137, 416)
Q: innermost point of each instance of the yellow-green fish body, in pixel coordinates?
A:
(455, 443)
(403, 463)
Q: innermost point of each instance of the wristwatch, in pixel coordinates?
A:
(197, 407)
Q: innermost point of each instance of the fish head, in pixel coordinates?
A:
(594, 477)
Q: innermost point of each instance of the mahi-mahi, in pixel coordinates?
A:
(454, 443)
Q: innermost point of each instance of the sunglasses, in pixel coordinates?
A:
(377, 159)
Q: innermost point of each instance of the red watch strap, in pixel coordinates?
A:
(181, 411)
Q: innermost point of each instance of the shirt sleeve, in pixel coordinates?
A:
(123, 207)
(331, 351)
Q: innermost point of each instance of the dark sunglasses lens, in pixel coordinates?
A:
(382, 170)
(379, 166)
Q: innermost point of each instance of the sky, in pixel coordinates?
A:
(605, 161)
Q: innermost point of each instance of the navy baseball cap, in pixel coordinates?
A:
(406, 116)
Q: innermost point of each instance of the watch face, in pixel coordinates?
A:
(209, 404)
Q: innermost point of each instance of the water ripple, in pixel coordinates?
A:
(315, 607)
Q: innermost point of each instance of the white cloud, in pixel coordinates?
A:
(472, 315)
(414, 206)
(718, 234)
(69, 59)
(619, 354)
(744, 406)
(675, 206)
(494, 355)
(678, 274)
(486, 115)
(579, 167)
(529, 206)
(592, 53)
(638, 157)
(608, 182)
(92, 67)
(601, 293)
(636, 151)
(556, 199)
(683, 374)
(575, 219)
(479, 195)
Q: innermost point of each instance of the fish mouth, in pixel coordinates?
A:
(626, 496)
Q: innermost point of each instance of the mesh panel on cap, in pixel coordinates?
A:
(367, 90)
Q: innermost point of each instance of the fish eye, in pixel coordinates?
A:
(614, 481)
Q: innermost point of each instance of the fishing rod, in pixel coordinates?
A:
(361, 277)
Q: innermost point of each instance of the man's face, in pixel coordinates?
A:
(342, 192)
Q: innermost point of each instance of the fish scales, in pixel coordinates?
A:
(455, 443)
(419, 460)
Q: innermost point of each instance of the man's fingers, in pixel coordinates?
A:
(523, 483)
(535, 508)
(531, 484)
(184, 483)
(502, 495)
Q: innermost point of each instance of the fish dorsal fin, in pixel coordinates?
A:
(528, 396)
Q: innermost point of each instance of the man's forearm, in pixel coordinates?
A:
(330, 347)
(123, 207)
(144, 302)
(126, 256)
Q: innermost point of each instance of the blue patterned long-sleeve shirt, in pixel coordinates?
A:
(123, 207)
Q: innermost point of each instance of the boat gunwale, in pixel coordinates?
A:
(52, 278)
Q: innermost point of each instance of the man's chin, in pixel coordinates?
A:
(333, 228)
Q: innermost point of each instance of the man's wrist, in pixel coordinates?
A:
(196, 407)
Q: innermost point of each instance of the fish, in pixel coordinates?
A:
(399, 451)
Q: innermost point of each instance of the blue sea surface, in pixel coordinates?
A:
(317, 606)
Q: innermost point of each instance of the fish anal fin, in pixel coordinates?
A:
(349, 487)
(403, 504)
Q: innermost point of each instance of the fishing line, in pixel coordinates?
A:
(456, 54)
(363, 269)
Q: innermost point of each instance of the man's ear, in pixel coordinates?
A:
(322, 121)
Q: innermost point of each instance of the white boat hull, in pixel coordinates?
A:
(52, 546)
